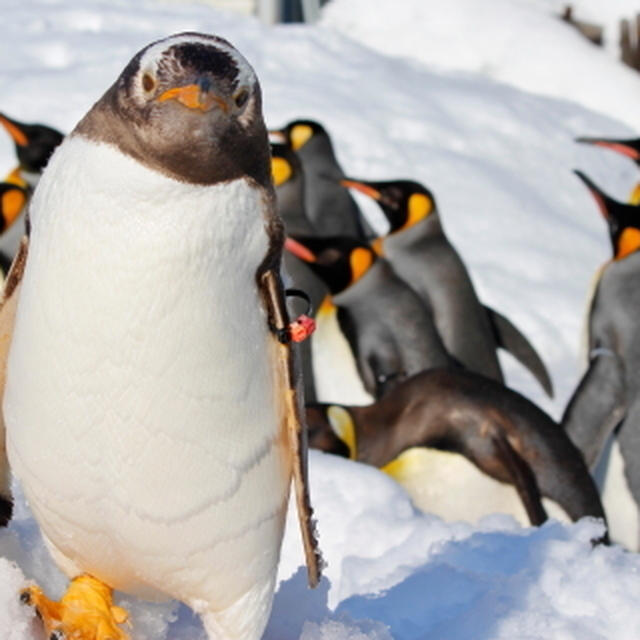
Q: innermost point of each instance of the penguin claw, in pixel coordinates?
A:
(85, 612)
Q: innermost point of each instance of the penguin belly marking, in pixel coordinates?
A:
(143, 429)
(620, 507)
(448, 485)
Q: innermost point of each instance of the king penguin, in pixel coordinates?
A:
(460, 444)
(389, 331)
(34, 144)
(288, 180)
(330, 208)
(150, 407)
(603, 415)
(421, 254)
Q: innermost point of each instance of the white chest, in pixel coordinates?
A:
(140, 388)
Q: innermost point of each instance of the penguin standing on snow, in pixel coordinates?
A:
(606, 403)
(331, 209)
(443, 429)
(156, 435)
(390, 332)
(422, 256)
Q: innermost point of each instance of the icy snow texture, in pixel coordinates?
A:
(499, 161)
(521, 43)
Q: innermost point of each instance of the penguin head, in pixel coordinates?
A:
(297, 133)
(403, 202)
(339, 261)
(623, 220)
(34, 143)
(331, 429)
(189, 106)
(629, 148)
(12, 201)
(285, 164)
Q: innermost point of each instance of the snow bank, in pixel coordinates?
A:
(523, 44)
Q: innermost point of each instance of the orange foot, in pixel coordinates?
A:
(85, 612)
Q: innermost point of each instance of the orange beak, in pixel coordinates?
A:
(299, 250)
(194, 97)
(362, 188)
(17, 134)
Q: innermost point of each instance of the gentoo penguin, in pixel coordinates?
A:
(34, 145)
(421, 254)
(606, 403)
(329, 207)
(629, 148)
(390, 332)
(289, 183)
(150, 409)
(474, 435)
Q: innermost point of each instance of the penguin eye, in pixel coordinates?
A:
(241, 98)
(148, 83)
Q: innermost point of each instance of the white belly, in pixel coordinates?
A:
(335, 371)
(619, 505)
(449, 486)
(141, 401)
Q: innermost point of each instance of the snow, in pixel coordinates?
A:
(482, 105)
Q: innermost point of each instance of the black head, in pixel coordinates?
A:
(338, 261)
(403, 202)
(189, 106)
(623, 220)
(629, 148)
(34, 143)
(297, 133)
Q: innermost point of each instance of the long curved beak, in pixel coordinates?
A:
(299, 250)
(361, 187)
(625, 147)
(599, 196)
(195, 96)
(14, 130)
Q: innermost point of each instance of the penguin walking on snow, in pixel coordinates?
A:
(176, 359)
(447, 429)
(390, 333)
(422, 256)
(331, 209)
(606, 403)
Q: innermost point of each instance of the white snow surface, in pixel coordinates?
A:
(498, 156)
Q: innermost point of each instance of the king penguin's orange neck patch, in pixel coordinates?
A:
(628, 242)
(360, 260)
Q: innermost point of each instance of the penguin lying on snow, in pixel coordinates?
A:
(457, 415)
(172, 360)
(390, 332)
(629, 148)
(606, 403)
(331, 209)
(421, 254)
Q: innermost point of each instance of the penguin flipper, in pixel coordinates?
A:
(273, 292)
(523, 478)
(597, 406)
(511, 339)
(8, 303)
